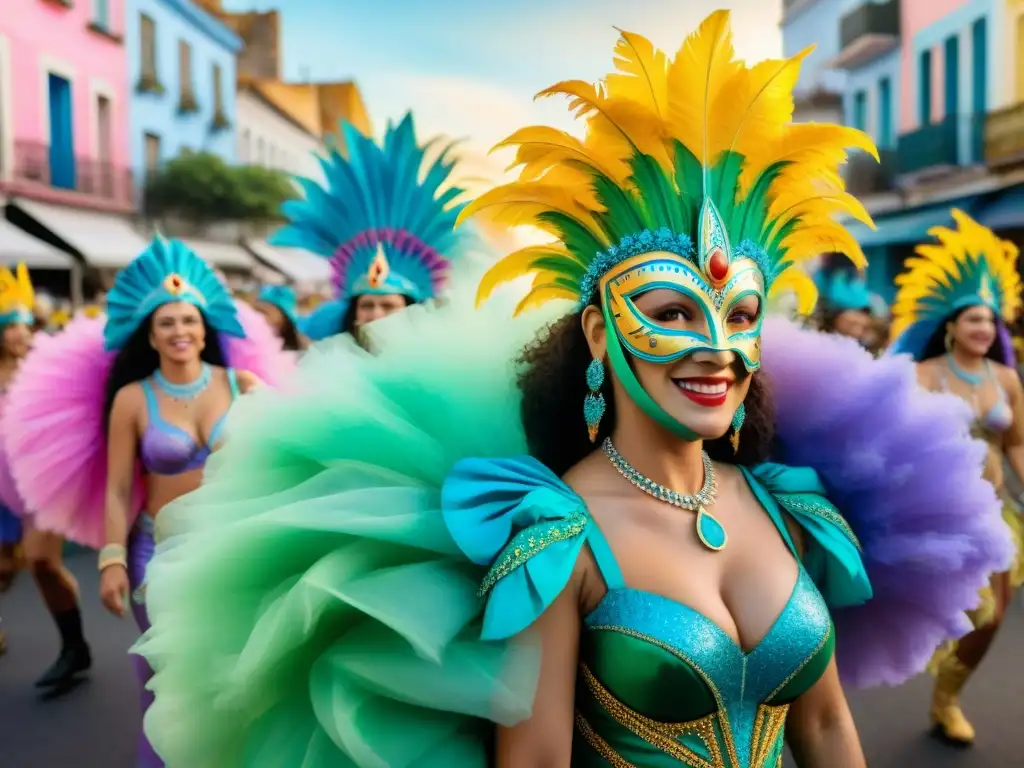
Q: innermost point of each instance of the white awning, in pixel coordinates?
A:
(105, 239)
(294, 263)
(221, 255)
(18, 246)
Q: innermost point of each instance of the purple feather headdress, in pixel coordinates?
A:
(900, 465)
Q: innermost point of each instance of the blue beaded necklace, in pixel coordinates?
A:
(189, 391)
(974, 379)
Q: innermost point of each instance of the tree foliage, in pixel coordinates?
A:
(201, 187)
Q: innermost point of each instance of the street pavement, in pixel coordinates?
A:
(96, 725)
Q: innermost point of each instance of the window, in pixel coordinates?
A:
(952, 79)
(218, 91)
(147, 28)
(185, 69)
(152, 142)
(259, 151)
(243, 146)
(924, 87)
(979, 51)
(103, 126)
(101, 13)
(273, 156)
(860, 110)
(885, 113)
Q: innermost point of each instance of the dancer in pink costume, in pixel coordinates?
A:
(118, 416)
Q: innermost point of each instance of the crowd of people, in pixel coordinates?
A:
(586, 503)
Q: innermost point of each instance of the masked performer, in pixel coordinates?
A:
(385, 219)
(43, 550)
(951, 314)
(148, 388)
(417, 545)
(277, 305)
(844, 301)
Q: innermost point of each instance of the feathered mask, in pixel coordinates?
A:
(17, 298)
(385, 218)
(968, 266)
(690, 177)
(167, 271)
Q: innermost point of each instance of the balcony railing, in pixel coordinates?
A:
(866, 32)
(80, 180)
(938, 145)
(1004, 136)
(865, 177)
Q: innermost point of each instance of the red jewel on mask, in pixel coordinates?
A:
(718, 265)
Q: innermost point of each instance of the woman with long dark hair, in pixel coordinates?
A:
(629, 545)
(42, 550)
(173, 355)
(277, 305)
(951, 314)
(385, 219)
(844, 302)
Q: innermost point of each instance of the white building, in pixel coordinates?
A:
(271, 136)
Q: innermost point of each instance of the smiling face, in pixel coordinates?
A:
(17, 340)
(177, 332)
(974, 330)
(854, 323)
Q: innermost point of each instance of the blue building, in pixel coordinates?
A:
(181, 69)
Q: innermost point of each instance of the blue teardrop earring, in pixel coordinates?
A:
(737, 424)
(593, 403)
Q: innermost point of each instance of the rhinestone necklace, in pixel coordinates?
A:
(188, 391)
(710, 532)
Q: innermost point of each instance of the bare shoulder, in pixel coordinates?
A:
(1007, 376)
(247, 381)
(928, 372)
(130, 396)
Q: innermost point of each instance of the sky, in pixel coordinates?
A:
(469, 68)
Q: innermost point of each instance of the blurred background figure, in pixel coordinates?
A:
(277, 303)
(844, 302)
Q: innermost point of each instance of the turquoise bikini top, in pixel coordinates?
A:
(658, 684)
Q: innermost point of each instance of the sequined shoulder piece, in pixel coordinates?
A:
(519, 520)
(832, 555)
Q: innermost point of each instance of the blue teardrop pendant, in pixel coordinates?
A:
(710, 532)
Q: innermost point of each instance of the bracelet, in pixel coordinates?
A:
(113, 554)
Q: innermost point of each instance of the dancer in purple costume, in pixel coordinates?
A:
(951, 315)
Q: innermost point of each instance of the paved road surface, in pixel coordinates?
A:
(95, 726)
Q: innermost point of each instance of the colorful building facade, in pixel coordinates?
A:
(181, 67)
(63, 103)
(818, 95)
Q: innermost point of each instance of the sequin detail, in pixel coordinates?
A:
(529, 541)
(816, 506)
(664, 736)
(602, 747)
(767, 729)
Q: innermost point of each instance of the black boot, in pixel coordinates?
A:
(74, 656)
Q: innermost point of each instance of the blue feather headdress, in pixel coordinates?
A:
(282, 297)
(385, 219)
(841, 290)
(167, 271)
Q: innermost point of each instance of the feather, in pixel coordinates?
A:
(540, 148)
(519, 263)
(644, 73)
(800, 284)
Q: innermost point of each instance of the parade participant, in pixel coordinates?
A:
(439, 540)
(148, 386)
(844, 301)
(951, 313)
(277, 305)
(43, 550)
(385, 220)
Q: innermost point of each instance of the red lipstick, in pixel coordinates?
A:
(709, 391)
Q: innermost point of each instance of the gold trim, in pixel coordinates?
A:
(804, 663)
(601, 746)
(767, 726)
(664, 736)
(530, 541)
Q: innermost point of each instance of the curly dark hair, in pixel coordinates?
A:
(553, 384)
(936, 346)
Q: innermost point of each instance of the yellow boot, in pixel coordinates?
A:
(946, 714)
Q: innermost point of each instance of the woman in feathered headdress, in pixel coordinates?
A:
(115, 417)
(385, 219)
(951, 313)
(844, 302)
(689, 555)
(43, 550)
(277, 305)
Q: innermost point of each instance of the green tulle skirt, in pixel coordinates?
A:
(308, 606)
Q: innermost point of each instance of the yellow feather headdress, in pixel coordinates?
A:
(17, 299)
(662, 136)
(969, 265)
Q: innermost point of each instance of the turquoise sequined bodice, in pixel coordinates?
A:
(658, 683)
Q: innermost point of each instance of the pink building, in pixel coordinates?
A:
(64, 104)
